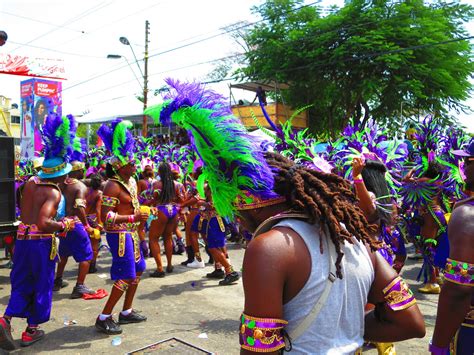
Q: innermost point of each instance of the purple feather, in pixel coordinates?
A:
(53, 145)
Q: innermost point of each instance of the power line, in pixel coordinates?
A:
(113, 22)
(163, 72)
(39, 21)
(186, 45)
(86, 13)
(246, 25)
(316, 65)
(57, 51)
(228, 31)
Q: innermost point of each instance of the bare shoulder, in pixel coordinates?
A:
(462, 219)
(276, 244)
(461, 233)
(112, 188)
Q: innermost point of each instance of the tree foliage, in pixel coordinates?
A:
(82, 132)
(366, 59)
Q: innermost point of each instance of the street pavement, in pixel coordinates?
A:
(183, 305)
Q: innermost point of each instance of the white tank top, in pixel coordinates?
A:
(339, 327)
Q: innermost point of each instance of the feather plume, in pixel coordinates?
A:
(118, 139)
(232, 163)
(57, 137)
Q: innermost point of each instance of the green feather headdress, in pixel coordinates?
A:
(232, 164)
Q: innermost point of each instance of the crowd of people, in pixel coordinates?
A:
(325, 225)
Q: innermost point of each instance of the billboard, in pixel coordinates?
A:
(28, 66)
(39, 98)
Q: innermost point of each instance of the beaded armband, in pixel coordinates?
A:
(109, 201)
(261, 335)
(459, 272)
(110, 218)
(79, 202)
(398, 296)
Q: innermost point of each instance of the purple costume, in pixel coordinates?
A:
(127, 258)
(77, 243)
(170, 210)
(199, 224)
(32, 276)
(216, 232)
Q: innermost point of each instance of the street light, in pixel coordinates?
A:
(126, 42)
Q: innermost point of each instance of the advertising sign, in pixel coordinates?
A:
(38, 99)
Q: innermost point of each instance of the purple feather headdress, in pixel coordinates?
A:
(232, 163)
(119, 141)
(57, 137)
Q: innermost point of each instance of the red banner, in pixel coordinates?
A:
(36, 67)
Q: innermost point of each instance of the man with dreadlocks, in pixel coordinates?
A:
(121, 217)
(34, 260)
(312, 244)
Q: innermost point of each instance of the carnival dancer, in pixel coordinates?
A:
(378, 207)
(433, 229)
(147, 185)
(168, 196)
(146, 189)
(121, 216)
(454, 330)
(77, 242)
(34, 261)
(372, 191)
(302, 246)
(194, 221)
(93, 208)
(216, 242)
(178, 245)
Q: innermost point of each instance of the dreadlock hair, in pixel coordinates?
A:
(168, 192)
(328, 200)
(373, 175)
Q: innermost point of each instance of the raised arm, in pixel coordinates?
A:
(365, 200)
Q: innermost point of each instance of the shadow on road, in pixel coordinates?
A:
(67, 339)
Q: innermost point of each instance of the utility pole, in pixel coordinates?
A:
(145, 79)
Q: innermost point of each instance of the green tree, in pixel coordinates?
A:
(82, 132)
(366, 59)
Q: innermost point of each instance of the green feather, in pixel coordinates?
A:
(63, 131)
(120, 137)
(259, 126)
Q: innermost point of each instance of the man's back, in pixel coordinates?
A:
(33, 198)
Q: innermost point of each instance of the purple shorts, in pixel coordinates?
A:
(77, 243)
(216, 233)
(197, 226)
(32, 279)
(127, 266)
